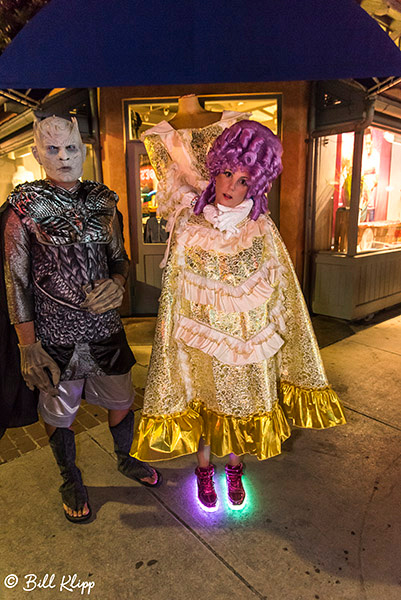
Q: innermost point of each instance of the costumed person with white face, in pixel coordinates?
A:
(235, 361)
(65, 270)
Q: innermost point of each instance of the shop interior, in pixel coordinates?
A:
(143, 115)
(379, 216)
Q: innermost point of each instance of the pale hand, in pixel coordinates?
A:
(36, 364)
(105, 295)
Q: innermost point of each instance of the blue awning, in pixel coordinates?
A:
(92, 43)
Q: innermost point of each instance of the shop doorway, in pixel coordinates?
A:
(147, 231)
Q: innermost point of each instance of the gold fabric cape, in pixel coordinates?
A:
(235, 359)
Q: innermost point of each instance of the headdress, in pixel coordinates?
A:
(247, 146)
(51, 128)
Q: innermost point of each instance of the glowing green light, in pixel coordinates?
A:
(245, 509)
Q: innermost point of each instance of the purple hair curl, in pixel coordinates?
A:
(246, 146)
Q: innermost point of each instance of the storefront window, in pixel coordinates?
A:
(142, 116)
(333, 191)
(88, 171)
(20, 166)
(379, 210)
(17, 167)
(379, 221)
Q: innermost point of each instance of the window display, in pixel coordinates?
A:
(379, 201)
(153, 227)
(379, 225)
(143, 115)
(333, 191)
(17, 167)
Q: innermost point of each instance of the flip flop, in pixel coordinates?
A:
(152, 485)
(81, 519)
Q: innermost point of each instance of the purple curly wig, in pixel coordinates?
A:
(247, 146)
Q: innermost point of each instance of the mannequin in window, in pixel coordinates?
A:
(177, 151)
(191, 115)
(155, 229)
(370, 179)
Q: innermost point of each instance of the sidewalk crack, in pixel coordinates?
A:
(208, 546)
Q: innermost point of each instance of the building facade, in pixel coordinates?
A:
(126, 112)
(354, 204)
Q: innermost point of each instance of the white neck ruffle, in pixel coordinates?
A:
(226, 219)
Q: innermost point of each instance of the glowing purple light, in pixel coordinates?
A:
(203, 507)
(208, 508)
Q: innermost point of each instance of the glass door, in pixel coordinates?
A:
(147, 231)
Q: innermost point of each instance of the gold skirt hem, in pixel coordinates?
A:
(164, 437)
(311, 408)
(260, 435)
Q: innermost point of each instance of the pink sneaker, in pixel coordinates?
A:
(236, 493)
(206, 493)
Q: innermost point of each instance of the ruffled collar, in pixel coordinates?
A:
(225, 218)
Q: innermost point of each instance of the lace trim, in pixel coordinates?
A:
(225, 348)
(194, 235)
(229, 298)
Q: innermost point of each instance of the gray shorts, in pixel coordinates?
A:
(115, 392)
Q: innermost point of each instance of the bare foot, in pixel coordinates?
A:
(76, 513)
(150, 480)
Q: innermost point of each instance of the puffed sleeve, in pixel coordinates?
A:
(17, 269)
(158, 154)
(172, 186)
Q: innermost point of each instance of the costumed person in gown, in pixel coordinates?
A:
(65, 271)
(235, 359)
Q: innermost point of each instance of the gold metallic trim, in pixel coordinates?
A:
(317, 409)
(164, 437)
(260, 435)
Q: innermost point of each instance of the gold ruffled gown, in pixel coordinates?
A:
(235, 359)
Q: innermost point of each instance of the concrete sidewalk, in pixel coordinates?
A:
(322, 520)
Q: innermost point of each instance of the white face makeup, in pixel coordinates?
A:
(59, 149)
(231, 187)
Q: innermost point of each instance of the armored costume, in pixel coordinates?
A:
(56, 244)
(65, 269)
